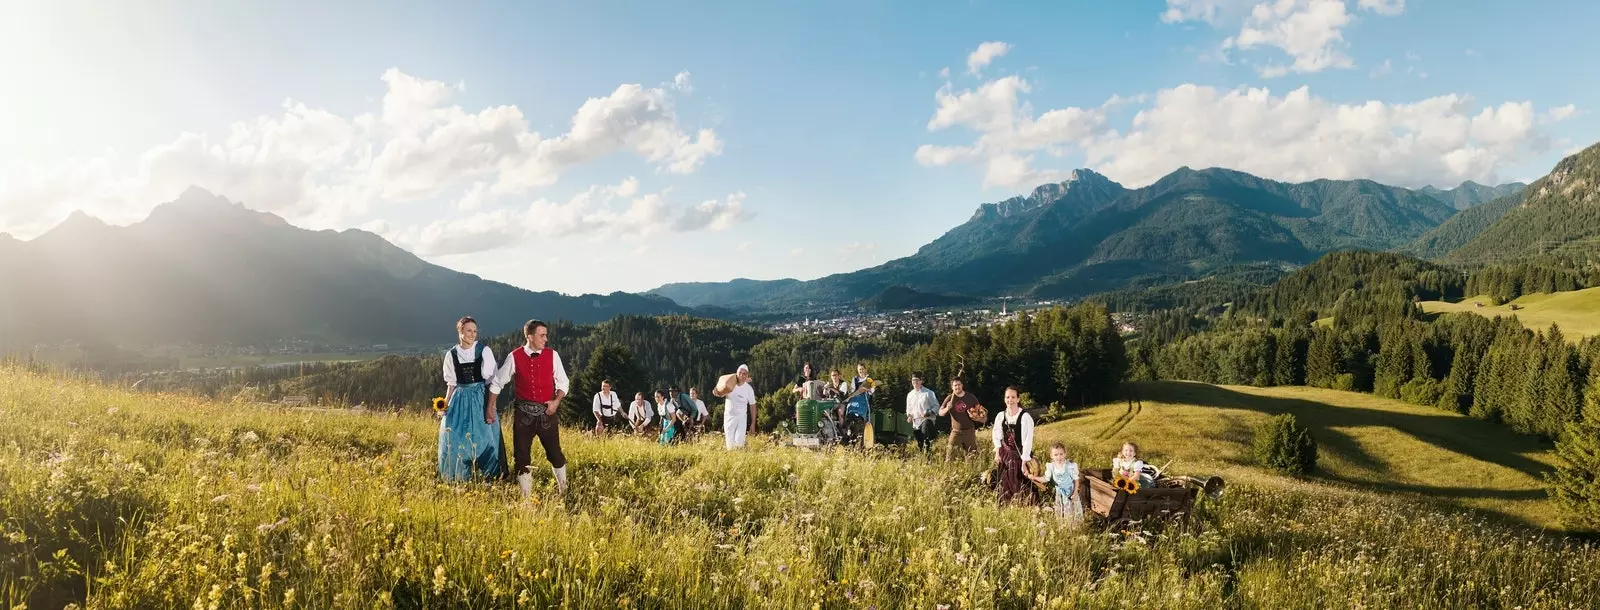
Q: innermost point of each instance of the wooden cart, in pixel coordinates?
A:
(1118, 507)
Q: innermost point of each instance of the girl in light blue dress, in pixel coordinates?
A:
(1063, 473)
(469, 446)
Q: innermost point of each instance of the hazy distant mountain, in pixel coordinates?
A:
(1089, 234)
(1559, 212)
(904, 297)
(1471, 194)
(206, 270)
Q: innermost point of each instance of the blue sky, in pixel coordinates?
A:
(748, 139)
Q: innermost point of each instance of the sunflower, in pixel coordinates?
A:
(439, 405)
(1128, 484)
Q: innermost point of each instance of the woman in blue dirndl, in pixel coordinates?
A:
(469, 446)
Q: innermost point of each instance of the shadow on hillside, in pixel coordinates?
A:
(1442, 492)
(1470, 437)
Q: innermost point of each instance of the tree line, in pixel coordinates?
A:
(1069, 356)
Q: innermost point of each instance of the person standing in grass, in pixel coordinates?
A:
(468, 446)
(1013, 447)
(541, 383)
(922, 409)
(736, 410)
(1063, 473)
(959, 405)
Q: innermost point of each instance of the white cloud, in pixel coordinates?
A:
(796, 251)
(944, 72)
(743, 246)
(857, 250)
(1310, 32)
(318, 168)
(475, 197)
(681, 83)
(1006, 126)
(1560, 113)
(1384, 7)
(612, 211)
(1210, 11)
(985, 54)
(1383, 69)
(1294, 136)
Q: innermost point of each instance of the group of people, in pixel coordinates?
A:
(471, 444)
(674, 416)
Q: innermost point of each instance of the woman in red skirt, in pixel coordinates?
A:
(1013, 447)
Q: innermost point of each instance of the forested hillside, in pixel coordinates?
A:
(1071, 356)
(1559, 213)
(1465, 226)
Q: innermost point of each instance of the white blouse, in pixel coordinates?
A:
(1025, 444)
(486, 371)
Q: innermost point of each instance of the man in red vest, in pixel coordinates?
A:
(541, 383)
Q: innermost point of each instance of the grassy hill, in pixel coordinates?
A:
(1578, 312)
(166, 501)
(1364, 441)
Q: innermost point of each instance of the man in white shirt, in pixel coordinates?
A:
(541, 382)
(736, 411)
(700, 406)
(922, 410)
(607, 408)
(640, 413)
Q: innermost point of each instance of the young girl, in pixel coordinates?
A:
(1129, 465)
(1064, 473)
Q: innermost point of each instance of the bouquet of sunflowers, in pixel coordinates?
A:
(1126, 483)
(439, 405)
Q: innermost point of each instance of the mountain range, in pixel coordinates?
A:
(1471, 194)
(1089, 234)
(205, 270)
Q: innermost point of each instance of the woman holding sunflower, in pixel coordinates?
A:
(469, 447)
(1013, 448)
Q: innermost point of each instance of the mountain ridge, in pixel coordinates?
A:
(1091, 234)
(202, 269)
(1471, 194)
(1558, 212)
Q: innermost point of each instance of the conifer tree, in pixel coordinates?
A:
(1322, 358)
(1575, 484)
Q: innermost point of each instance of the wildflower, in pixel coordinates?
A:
(439, 580)
(439, 405)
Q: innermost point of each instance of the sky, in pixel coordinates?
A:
(601, 146)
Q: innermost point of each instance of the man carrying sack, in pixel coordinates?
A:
(541, 383)
(740, 397)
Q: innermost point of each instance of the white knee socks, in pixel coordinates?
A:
(526, 482)
(561, 480)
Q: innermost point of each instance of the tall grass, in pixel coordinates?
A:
(116, 500)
